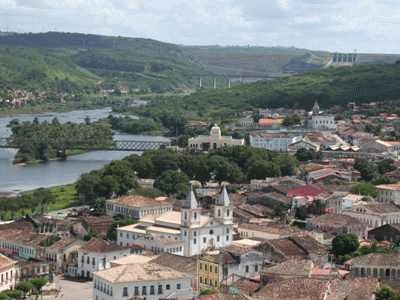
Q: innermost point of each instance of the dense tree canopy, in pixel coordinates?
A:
(344, 244)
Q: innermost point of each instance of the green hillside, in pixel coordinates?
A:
(329, 87)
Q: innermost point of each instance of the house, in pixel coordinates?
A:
(221, 267)
(308, 191)
(329, 175)
(213, 141)
(295, 247)
(28, 269)
(375, 214)
(389, 193)
(97, 254)
(304, 143)
(186, 232)
(98, 225)
(378, 265)
(266, 231)
(316, 289)
(291, 268)
(274, 141)
(272, 200)
(8, 273)
(337, 224)
(340, 201)
(318, 121)
(138, 207)
(145, 280)
(245, 213)
(387, 232)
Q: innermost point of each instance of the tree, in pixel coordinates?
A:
(368, 170)
(224, 170)
(386, 165)
(86, 186)
(261, 169)
(39, 282)
(344, 244)
(25, 287)
(386, 293)
(172, 183)
(287, 164)
(142, 165)
(304, 154)
(291, 120)
(365, 189)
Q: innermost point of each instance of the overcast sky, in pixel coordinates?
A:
(335, 25)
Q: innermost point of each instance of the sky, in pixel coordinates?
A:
(334, 25)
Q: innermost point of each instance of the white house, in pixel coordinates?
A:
(97, 255)
(8, 273)
(319, 121)
(213, 141)
(187, 232)
(143, 280)
(274, 141)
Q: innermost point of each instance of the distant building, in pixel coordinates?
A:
(319, 121)
(186, 232)
(213, 141)
(388, 232)
(142, 281)
(337, 224)
(378, 265)
(221, 267)
(97, 255)
(389, 193)
(8, 273)
(274, 141)
(137, 207)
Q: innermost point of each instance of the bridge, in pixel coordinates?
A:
(118, 145)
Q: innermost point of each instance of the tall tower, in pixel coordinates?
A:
(190, 221)
(223, 208)
(315, 110)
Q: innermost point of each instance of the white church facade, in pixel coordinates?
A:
(213, 141)
(187, 232)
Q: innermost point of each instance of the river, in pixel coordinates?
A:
(15, 178)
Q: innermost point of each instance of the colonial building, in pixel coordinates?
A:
(388, 232)
(213, 141)
(319, 121)
(389, 193)
(137, 207)
(379, 265)
(187, 232)
(8, 273)
(274, 141)
(221, 267)
(336, 224)
(375, 214)
(97, 255)
(141, 281)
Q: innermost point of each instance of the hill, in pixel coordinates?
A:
(331, 86)
(83, 62)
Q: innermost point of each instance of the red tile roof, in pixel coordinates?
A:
(306, 191)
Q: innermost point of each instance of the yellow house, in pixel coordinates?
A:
(209, 271)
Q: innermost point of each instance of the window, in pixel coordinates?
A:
(206, 267)
(216, 283)
(256, 268)
(201, 266)
(247, 269)
(194, 241)
(160, 291)
(227, 212)
(136, 291)
(219, 212)
(195, 215)
(88, 260)
(204, 240)
(125, 292)
(144, 290)
(178, 286)
(227, 237)
(217, 238)
(185, 215)
(211, 231)
(167, 287)
(152, 290)
(216, 269)
(93, 261)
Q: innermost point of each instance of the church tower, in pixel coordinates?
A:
(190, 215)
(223, 211)
(315, 110)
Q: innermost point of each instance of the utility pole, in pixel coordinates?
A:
(215, 83)
(200, 83)
(229, 83)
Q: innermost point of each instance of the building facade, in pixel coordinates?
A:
(141, 281)
(389, 193)
(187, 232)
(213, 141)
(8, 273)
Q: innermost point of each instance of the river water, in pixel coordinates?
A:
(15, 178)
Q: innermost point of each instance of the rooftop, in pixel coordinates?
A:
(393, 187)
(306, 191)
(140, 201)
(6, 262)
(179, 263)
(101, 246)
(334, 220)
(377, 259)
(139, 272)
(291, 267)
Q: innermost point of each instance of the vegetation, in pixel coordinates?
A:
(365, 189)
(290, 121)
(344, 244)
(50, 240)
(24, 288)
(374, 172)
(119, 221)
(331, 86)
(38, 202)
(307, 155)
(386, 293)
(43, 141)
(173, 170)
(134, 126)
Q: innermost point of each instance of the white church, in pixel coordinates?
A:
(187, 232)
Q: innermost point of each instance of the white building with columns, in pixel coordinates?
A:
(213, 141)
(187, 232)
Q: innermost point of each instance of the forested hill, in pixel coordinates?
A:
(73, 62)
(329, 87)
